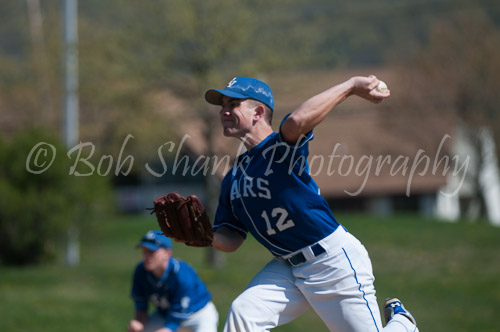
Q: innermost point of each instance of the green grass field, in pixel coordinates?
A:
(447, 274)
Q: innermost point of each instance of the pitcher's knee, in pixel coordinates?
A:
(237, 320)
(241, 307)
(249, 314)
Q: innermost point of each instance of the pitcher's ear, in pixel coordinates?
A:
(260, 111)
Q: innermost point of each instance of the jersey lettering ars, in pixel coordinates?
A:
(258, 187)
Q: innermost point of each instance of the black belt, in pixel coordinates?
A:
(299, 257)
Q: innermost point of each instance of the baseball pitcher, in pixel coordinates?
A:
(269, 193)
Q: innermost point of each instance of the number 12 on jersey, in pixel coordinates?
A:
(281, 224)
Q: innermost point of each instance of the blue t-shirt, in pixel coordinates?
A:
(176, 295)
(270, 193)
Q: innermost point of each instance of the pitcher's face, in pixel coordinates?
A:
(236, 116)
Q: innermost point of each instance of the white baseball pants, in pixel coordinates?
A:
(338, 285)
(204, 320)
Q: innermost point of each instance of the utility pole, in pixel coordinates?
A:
(40, 64)
(70, 105)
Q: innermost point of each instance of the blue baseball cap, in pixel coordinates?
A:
(155, 240)
(243, 88)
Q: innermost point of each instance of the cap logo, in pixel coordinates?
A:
(231, 83)
(151, 235)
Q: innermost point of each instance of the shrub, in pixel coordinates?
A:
(37, 207)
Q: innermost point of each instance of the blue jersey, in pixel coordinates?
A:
(270, 193)
(177, 294)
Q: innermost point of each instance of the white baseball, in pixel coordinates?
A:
(382, 87)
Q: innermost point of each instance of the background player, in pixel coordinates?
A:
(270, 194)
(181, 299)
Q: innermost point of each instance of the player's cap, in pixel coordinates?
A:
(243, 88)
(155, 240)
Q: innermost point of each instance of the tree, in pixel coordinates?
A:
(39, 197)
(453, 76)
(449, 87)
(204, 41)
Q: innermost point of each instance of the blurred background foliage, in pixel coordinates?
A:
(131, 53)
(36, 208)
